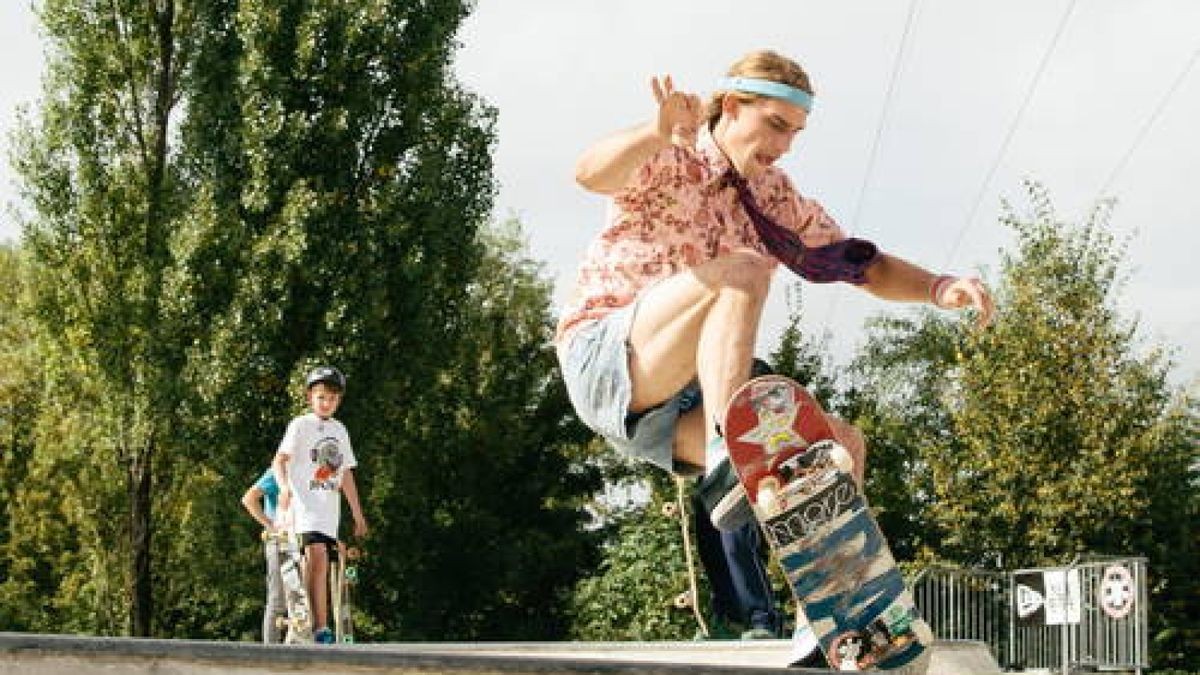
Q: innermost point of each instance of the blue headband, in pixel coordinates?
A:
(753, 85)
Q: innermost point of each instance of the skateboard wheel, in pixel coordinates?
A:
(841, 458)
(766, 497)
(768, 493)
(683, 600)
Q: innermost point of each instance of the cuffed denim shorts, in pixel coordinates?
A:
(595, 367)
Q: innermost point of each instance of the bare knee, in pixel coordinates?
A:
(743, 270)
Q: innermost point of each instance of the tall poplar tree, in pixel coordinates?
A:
(98, 171)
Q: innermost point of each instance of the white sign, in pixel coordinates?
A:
(1064, 603)
(1117, 592)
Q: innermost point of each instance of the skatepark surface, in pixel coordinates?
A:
(37, 654)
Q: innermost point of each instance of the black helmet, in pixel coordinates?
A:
(327, 375)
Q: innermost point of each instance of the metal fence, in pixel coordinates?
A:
(1088, 615)
(965, 604)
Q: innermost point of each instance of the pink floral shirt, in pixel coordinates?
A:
(676, 213)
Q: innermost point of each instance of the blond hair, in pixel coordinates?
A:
(763, 64)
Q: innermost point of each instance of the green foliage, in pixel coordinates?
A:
(320, 201)
(643, 569)
(804, 359)
(97, 170)
(19, 391)
(892, 390)
(482, 500)
(1048, 435)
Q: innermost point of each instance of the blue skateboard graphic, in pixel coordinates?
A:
(820, 528)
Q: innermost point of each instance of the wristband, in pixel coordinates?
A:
(939, 284)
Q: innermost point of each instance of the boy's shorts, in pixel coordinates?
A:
(317, 538)
(595, 366)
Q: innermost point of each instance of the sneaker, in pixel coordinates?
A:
(724, 497)
(805, 651)
(323, 636)
(759, 633)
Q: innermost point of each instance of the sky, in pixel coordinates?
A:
(928, 113)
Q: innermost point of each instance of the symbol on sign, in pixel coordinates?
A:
(1029, 601)
(1116, 592)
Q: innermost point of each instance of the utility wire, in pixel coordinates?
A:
(883, 116)
(1145, 130)
(1012, 130)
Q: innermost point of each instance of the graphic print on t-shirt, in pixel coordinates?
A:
(326, 454)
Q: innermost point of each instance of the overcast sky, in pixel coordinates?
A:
(1092, 98)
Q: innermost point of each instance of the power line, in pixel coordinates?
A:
(1145, 130)
(887, 105)
(1012, 130)
(883, 116)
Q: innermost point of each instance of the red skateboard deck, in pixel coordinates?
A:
(819, 527)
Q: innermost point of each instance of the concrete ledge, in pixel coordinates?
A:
(34, 654)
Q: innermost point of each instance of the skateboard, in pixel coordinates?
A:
(343, 575)
(298, 621)
(820, 529)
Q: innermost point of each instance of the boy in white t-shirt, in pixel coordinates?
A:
(314, 464)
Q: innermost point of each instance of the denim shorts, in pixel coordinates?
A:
(595, 367)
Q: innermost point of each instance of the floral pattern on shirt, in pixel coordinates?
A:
(676, 213)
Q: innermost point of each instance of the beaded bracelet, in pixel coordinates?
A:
(939, 284)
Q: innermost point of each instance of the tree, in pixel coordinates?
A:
(892, 390)
(803, 358)
(19, 401)
(631, 594)
(223, 194)
(890, 465)
(341, 179)
(18, 384)
(1050, 434)
(98, 173)
(481, 498)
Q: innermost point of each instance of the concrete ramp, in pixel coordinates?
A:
(32, 654)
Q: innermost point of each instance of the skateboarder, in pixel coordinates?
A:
(673, 288)
(261, 501)
(314, 466)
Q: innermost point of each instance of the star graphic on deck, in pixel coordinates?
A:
(776, 417)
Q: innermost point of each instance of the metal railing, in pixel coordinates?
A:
(965, 604)
(1090, 614)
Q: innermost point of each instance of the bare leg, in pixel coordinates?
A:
(690, 436)
(700, 323)
(317, 575)
(727, 346)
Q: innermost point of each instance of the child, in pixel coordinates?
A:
(313, 463)
(261, 500)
